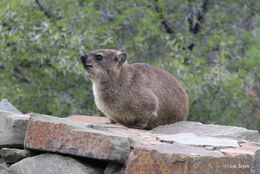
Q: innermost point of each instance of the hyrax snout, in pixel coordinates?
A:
(135, 95)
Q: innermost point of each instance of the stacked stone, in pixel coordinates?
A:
(41, 144)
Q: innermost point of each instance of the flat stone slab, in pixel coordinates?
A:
(5, 105)
(192, 139)
(178, 158)
(149, 137)
(95, 122)
(12, 129)
(89, 119)
(208, 130)
(48, 133)
(52, 164)
(244, 148)
(13, 155)
(100, 123)
(178, 148)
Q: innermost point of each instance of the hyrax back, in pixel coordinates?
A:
(135, 95)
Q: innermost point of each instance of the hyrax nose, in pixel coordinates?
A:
(84, 59)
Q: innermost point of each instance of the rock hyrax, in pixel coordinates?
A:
(135, 95)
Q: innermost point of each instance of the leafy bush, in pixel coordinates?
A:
(212, 49)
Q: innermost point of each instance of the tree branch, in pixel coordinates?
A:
(195, 24)
(164, 21)
(48, 14)
(17, 73)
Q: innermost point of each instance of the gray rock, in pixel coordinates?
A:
(7, 106)
(256, 163)
(12, 129)
(112, 168)
(53, 164)
(208, 130)
(192, 139)
(13, 155)
(4, 169)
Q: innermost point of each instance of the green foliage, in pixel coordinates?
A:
(212, 49)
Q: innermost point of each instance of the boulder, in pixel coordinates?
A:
(5, 105)
(12, 129)
(208, 130)
(13, 155)
(52, 164)
(178, 158)
(48, 133)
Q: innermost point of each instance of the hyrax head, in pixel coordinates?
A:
(103, 63)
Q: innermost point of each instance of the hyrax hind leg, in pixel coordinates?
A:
(145, 108)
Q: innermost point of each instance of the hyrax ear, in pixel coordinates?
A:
(122, 56)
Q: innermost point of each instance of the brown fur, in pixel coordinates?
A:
(135, 95)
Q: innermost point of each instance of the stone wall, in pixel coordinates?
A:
(42, 144)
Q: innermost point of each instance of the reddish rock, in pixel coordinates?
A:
(180, 159)
(47, 133)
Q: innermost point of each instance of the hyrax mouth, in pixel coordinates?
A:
(87, 66)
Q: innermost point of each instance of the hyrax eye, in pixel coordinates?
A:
(99, 57)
